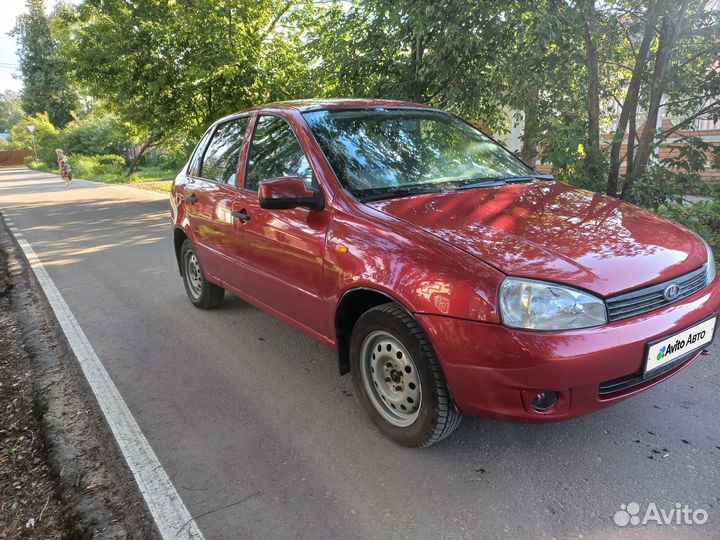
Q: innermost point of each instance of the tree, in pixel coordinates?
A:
(569, 69)
(46, 136)
(594, 155)
(173, 67)
(96, 133)
(481, 60)
(43, 70)
(535, 79)
(10, 110)
(660, 53)
(444, 54)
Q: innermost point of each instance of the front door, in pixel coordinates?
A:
(282, 250)
(209, 198)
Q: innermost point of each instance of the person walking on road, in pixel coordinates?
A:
(64, 166)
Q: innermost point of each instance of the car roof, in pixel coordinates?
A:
(305, 105)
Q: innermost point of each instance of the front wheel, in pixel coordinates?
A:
(398, 378)
(202, 293)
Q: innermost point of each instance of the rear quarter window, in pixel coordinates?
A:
(194, 167)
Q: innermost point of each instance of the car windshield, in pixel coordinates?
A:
(379, 153)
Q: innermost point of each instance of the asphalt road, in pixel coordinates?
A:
(238, 406)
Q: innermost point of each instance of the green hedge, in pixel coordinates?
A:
(703, 217)
(93, 166)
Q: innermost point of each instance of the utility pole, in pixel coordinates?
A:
(31, 129)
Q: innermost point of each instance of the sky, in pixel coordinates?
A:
(8, 58)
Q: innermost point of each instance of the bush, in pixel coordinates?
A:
(660, 186)
(95, 134)
(33, 164)
(94, 166)
(703, 217)
(173, 157)
(46, 136)
(111, 160)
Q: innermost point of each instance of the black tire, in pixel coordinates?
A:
(202, 293)
(437, 416)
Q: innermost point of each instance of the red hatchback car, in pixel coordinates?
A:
(450, 278)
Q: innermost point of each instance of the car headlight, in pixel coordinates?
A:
(710, 265)
(536, 305)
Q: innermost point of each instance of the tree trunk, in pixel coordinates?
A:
(593, 156)
(668, 36)
(630, 102)
(417, 61)
(136, 160)
(528, 152)
(632, 137)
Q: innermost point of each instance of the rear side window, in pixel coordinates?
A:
(275, 152)
(194, 167)
(220, 162)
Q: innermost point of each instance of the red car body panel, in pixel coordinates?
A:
(505, 361)
(443, 257)
(553, 232)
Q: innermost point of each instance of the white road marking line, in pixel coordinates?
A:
(17, 235)
(172, 518)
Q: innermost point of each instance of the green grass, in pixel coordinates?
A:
(151, 178)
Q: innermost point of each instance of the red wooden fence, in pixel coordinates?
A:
(14, 157)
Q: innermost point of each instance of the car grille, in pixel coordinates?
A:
(627, 383)
(644, 300)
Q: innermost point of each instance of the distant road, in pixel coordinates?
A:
(238, 406)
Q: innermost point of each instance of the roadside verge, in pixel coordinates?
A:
(91, 492)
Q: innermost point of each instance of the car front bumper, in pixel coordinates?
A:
(496, 371)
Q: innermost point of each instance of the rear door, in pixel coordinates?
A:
(209, 195)
(282, 250)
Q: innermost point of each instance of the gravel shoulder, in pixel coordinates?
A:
(61, 473)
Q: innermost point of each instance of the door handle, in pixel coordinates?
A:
(192, 198)
(242, 215)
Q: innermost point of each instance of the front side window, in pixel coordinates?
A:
(378, 152)
(220, 162)
(275, 152)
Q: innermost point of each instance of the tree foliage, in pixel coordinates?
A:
(174, 66)
(10, 110)
(46, 136)
(96, 133)
(43, 70)
(446, 54)
(654, 54)
(583, 76)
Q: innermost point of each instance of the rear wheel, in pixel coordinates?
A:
(200, 291)
(398, 378)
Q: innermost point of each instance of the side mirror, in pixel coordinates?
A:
(288, 192)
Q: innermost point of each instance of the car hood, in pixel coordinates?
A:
(554, 232)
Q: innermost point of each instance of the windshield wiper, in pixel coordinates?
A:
(400, 192)
(488, 182)
(493, 181)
